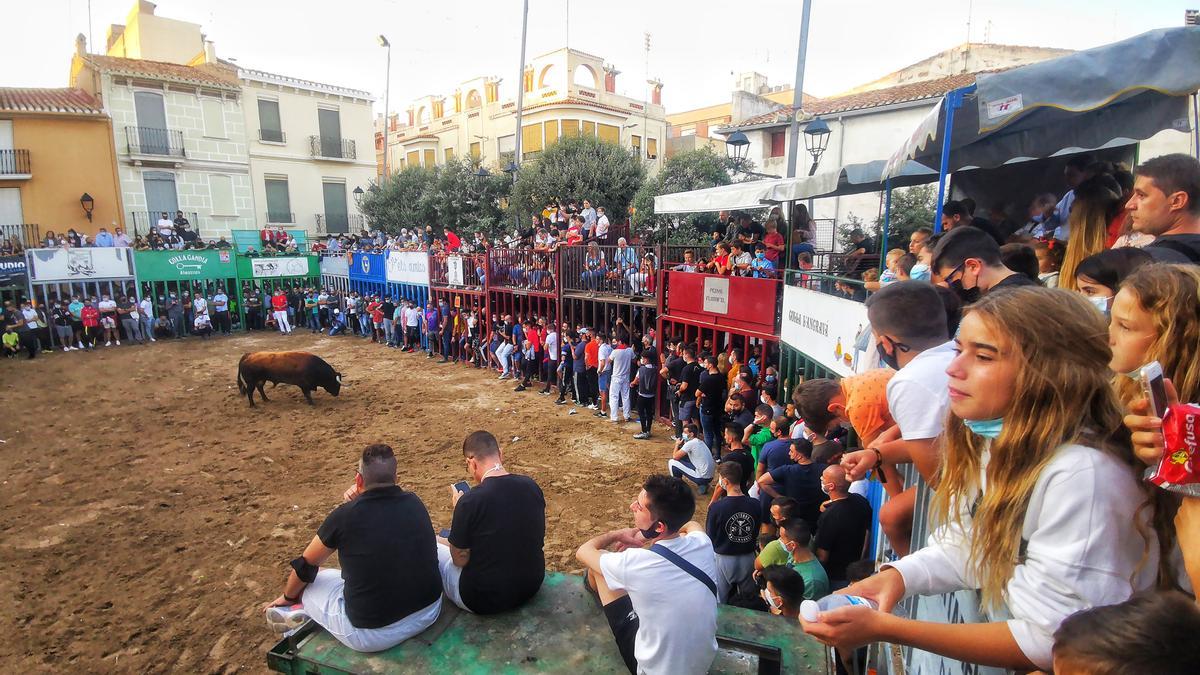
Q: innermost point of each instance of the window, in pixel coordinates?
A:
(571, 128)
(507, 144)
(337, 217)
(413, 158)
(448, 155)
(476, 150)
(778, 143)
(152, 135)
(220, 189)
(635, 142)
(651, 148)
(551, 132)
(279, 204)
(608, 132)
(687, 131)
(589, 128)
(430, 158)
(213, 111)
(531, 140)
(329, 122)
(269, 127)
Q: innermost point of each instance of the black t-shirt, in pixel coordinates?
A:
(388, 309)
(753, 230)
(1013, 281)
(385, 543)
(743, 458)
(713, 386)
(732, 525)
(743, 419)
(841, 530)
(690, 373)
(503, 523)
(802, 482)
(62, 316)
(1175, 248)
(674, 367)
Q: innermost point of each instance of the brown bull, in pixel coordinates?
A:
(302, 369)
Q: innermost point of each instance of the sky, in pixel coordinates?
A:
(696, 46)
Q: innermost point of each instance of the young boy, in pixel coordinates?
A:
(12, 343)
(202, 325)
(794, 536)
(646, 382)
(1151, 633)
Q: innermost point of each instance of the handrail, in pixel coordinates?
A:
(524, 269)
(628, 271)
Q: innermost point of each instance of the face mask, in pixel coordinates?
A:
(967, 295)
(652, 532)
(825, 488)
(920, 272)
(1101, 303)
(887, 359)
(773, 603)
(986, 428)
(760, 255)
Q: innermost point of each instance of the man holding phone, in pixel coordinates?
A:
(493, 559)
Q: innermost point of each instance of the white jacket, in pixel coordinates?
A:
(1084, 549)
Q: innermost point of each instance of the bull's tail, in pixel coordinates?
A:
(241, 380)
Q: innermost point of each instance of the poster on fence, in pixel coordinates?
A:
(454, 270)
(335, 265)
(80, 264)
(825, 328)
(13, 271)
(278, 267)
(410, 267)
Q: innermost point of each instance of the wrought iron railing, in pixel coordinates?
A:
(15, 163)
(152, 141)
(145, 222)
(625, 271)
(523, 269)
(332, 147)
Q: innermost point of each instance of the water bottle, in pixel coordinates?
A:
(810, 608)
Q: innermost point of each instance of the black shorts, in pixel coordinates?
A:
(624, 623)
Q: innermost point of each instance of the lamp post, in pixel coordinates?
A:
(88, 205)
(387, 93)
(816, 139)
(741, 145)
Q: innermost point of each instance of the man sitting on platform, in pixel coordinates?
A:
(661, 601)
(388, 589)
(493, 560)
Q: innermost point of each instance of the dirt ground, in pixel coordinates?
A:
(147, 511)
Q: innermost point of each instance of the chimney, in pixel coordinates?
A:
(610, 78)
(655, 91)
(115, 31)
(80, 45)
(210, 52)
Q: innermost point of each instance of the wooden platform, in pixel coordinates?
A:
(562, 630)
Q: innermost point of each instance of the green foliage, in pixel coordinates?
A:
(398, 201)
(691, 170)
(579, 167)
(450, 194)
(912, 207)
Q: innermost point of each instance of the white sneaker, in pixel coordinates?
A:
(78, 345)
(66, 349)
(109, 344)
(118, 343)
(283, 619)
(153, 340)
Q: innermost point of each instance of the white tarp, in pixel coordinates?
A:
(408, 267)
(335, 265)
(748, 195)
(824, 328)
(278, 267)
(80, 264)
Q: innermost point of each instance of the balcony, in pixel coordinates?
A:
(332, 147)
(280, 218)
(21, 236)
(143, 222)
(338, 223)
(148, 141)
(272, 136)
(15, 165)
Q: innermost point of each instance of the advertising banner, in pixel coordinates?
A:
(741, 303)
(80, 264)
(824, 328)
(292, 266)
(367, 266)
(408, 267)
(183, 265)
(13, 271)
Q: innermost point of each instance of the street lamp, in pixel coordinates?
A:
(387, 92)
(740, 144)
(482, 173)
(816, 139)
(511, 169)
(88, 205)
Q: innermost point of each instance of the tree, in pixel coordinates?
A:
(399, 201)
(465, 201)
(692, 170)
(912, 207)
(578, 167)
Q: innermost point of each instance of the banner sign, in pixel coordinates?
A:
(182, 265)
(825, 328)
(80, 264)
(335, 265)
(297, 266)
(740, 303)
(408, 267)
(13, 271)
(367, 266)
(454, 270)
(716, 295)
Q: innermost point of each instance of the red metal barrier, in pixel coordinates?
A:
(523, 269)
(603, 314)
(522, 306)
(743, 304)
(457, 271)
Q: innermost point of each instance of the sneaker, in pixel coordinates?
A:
(504, 376)
(613, 420)
(79, 345)
(642, 436)
(561, 401)
(153, 340)
(283, 619)
(519, 387)
(66, 349)
(592, 406)
(118, 343)
(601, 413)
(109, 343)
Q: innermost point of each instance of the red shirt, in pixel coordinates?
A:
(535, 339)
(279, 303)
(775, 239)
(90, 316)
(591, 354)
(376, 312)
(453, 243)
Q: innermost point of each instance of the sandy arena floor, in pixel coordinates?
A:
(147, 511)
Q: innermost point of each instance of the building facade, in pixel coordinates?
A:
(310, 147)
(567, 92)
(57, 164)
(752, 94)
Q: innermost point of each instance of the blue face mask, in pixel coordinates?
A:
(920, 272)
(986, 428)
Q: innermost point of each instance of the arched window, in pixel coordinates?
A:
(544, 79)
(585, 76)
(422, 116)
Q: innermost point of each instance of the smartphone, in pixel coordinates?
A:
(462, 486)
(1155, 388)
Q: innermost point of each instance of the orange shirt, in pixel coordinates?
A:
(591, 354)
(866, 402)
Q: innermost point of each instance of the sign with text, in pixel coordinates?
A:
(454, 270)
(179, 265)
(716, 295)
(367, 266)
(80, 264)
(13, 271)
(824, 328)
(278, 267)
(409, 267)
(335, 265)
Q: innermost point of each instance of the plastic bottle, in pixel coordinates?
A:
(809, 609)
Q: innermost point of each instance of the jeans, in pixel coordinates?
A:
(177, 328)
(148, 327)
(389, 330)
(133, 329)
(711, 424)
(503, 352)
(645, 411)
(221, 322)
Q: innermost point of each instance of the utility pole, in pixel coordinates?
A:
(798, 92)
(387, 93)
(520, 99)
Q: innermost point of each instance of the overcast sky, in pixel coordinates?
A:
(696, 45)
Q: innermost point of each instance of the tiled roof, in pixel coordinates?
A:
(903, 93)
(163, 71)
(59, 100)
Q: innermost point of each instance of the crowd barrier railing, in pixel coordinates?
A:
(621, 271)
(523, 269)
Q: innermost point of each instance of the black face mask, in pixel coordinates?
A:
(967, 295)
(891, 360)
(652, 532)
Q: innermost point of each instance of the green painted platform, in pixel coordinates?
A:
(562, 630)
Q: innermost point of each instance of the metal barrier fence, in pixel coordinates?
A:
(523, 269)
(603, 314)
(458, 271)
(624, 271)
(45, 294)
(522, 306)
